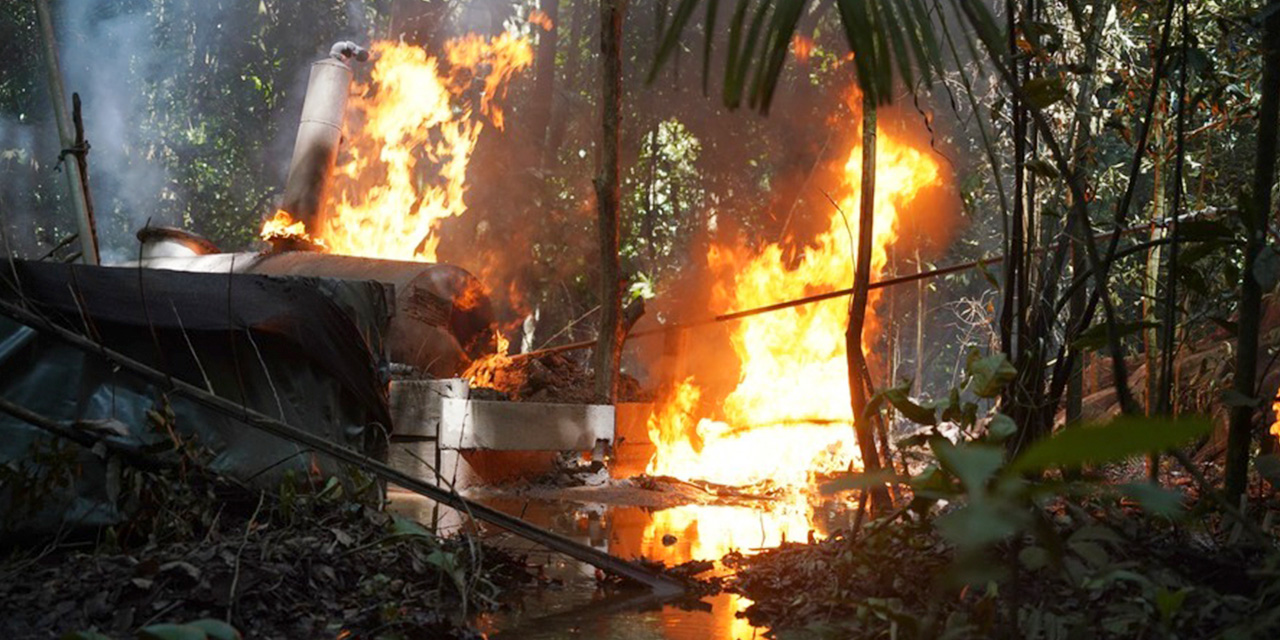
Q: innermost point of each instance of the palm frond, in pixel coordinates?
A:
(891, 41)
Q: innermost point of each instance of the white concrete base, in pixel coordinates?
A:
(523, 426)
(438, 427)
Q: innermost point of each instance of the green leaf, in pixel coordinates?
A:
(1117, 440)
(1233, 398)
(933, 483)
(709, 27)
(860, 481)
(671, 38)
(973, 464)
(1266, 268)
(1092, 553)
(1193, 253)
(1194, 281)
(1095, 533)
(1043, 92)
(986, 273)
(778, 38)
(1204, 230)
(171, 632)
(991, 35)
(736, 84)
(404, 527)
(1034, 558)
(735, 48)
(989, 375)
(447, 562)
(897, 396)
(856, 20)
(921, 38)
(1095, 337)
(891, 24)
(1045, 35)
(979, 524)
(1153, 498)
(1001, 428)
(1170, 602)
(1042, 168)
(1269, 468)
(1226, 324)
(216, 629)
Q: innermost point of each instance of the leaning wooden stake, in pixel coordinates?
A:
(260, 422)
(66, 132)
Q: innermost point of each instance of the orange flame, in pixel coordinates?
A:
(494, 371)
(282, 226)
(802, 47)
(540, 18)
(410, 135)
(790, 415)
(1275, 426)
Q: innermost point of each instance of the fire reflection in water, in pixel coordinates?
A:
(701, 532)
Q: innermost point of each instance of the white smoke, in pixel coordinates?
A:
(108, 57)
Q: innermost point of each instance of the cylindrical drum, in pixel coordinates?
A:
(443, 318)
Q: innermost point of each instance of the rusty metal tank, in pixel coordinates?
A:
(443, 318)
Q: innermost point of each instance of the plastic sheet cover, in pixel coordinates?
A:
(303, 350)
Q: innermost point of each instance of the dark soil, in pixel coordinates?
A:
(1117, 574)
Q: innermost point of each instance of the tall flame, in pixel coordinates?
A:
(1275, 426)
(410, 135)
(790, 414)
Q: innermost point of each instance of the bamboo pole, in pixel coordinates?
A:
(76, 185)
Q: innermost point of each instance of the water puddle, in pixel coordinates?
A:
(673, 535)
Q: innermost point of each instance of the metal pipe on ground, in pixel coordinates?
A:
(659, 582)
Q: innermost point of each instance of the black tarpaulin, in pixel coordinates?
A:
(281, 346)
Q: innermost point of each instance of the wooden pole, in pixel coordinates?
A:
(1257, 219)
(608, 353)
(77, 187)
(863, 428)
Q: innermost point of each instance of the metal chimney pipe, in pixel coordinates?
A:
(319, 133)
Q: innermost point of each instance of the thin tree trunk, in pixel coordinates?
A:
(893, 330)
(608, 352)
(1168, 347)
(1256, 218)
(544, 84)
(922, 289)
(650, 221)
(862, 425)
(579, 16)
(1151, 287)
(1009, 322)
